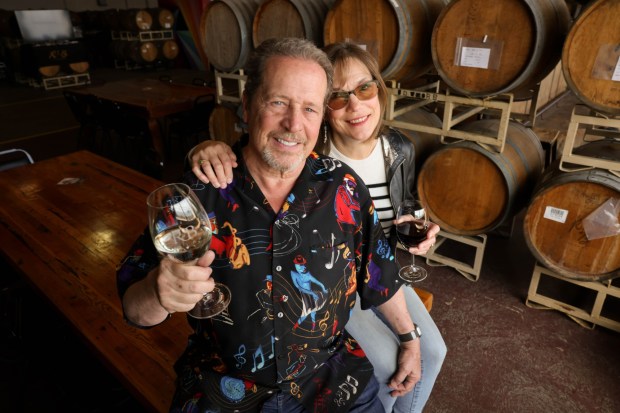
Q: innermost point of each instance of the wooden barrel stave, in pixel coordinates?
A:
(591, 54)
(226, 33)
(563, 247)
(424, 143)
(136, 19)
(168, 49)
(224, 124)
(290, 18)
(470, 190)
(164, 19)
(396, 32)
(524, 39)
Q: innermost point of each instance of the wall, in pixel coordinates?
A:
(77, 5)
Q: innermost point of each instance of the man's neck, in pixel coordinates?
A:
(275, 185)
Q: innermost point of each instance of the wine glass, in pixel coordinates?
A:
(410, 233)
(181, 229)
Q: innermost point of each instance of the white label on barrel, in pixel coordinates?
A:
(616, 75)
(475, 57)
(556, 214)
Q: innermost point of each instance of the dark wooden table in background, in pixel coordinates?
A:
(67, 241)
(153, 99)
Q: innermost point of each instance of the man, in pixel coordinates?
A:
(232, 362)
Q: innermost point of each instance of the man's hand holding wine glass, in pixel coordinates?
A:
(180, 285)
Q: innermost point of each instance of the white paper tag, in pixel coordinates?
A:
(556, 214)
(475, 57)
(616, 76)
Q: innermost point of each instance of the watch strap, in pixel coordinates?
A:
(410, 336)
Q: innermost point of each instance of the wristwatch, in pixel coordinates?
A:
(412, 335)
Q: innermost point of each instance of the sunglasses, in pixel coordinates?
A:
(365, 91)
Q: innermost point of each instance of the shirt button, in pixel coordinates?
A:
(276, 338)
(280, 314)
(279, 268)
(255, 208)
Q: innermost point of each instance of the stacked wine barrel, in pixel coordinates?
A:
(142, 37)
(563, 201)
(36, 61)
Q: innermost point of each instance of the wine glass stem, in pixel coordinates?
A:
(412, 260)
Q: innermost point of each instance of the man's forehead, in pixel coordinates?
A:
(283, 72)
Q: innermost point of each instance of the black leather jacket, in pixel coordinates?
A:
(398, 156)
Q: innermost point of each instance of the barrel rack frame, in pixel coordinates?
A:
(456, 109)
(588, 318)
(143, 36)
(239, 77)
(595, 124)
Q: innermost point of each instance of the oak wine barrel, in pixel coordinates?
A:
(396, 32)
(553, 224)
(168, 49)
(79, 67)
(290, 18)
(140, 52)
(224, 124)
(591, 56)
(489, 47)
(136, 19)
(49, 70)
(471, 190)
(163, 19)
(424, 144)
(226, 33)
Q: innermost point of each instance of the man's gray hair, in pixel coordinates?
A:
(289, 47)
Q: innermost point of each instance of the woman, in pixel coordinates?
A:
(354, 133)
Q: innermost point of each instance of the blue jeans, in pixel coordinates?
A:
(381, 346)
(367, 402)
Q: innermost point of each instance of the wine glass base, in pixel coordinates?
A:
(412, 273)
(212, 303)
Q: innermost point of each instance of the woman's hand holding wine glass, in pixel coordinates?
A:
(181, 231)
(417, 234)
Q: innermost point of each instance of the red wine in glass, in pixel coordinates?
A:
(411, 232)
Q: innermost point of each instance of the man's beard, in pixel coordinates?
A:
(283, 164)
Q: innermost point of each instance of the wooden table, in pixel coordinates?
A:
(152, 98)
(67, 241)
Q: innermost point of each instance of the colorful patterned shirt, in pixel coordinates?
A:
(293, 275)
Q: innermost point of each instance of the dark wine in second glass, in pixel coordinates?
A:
(411, 233)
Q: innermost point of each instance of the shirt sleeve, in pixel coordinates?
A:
(141, 258)
(378, 271)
